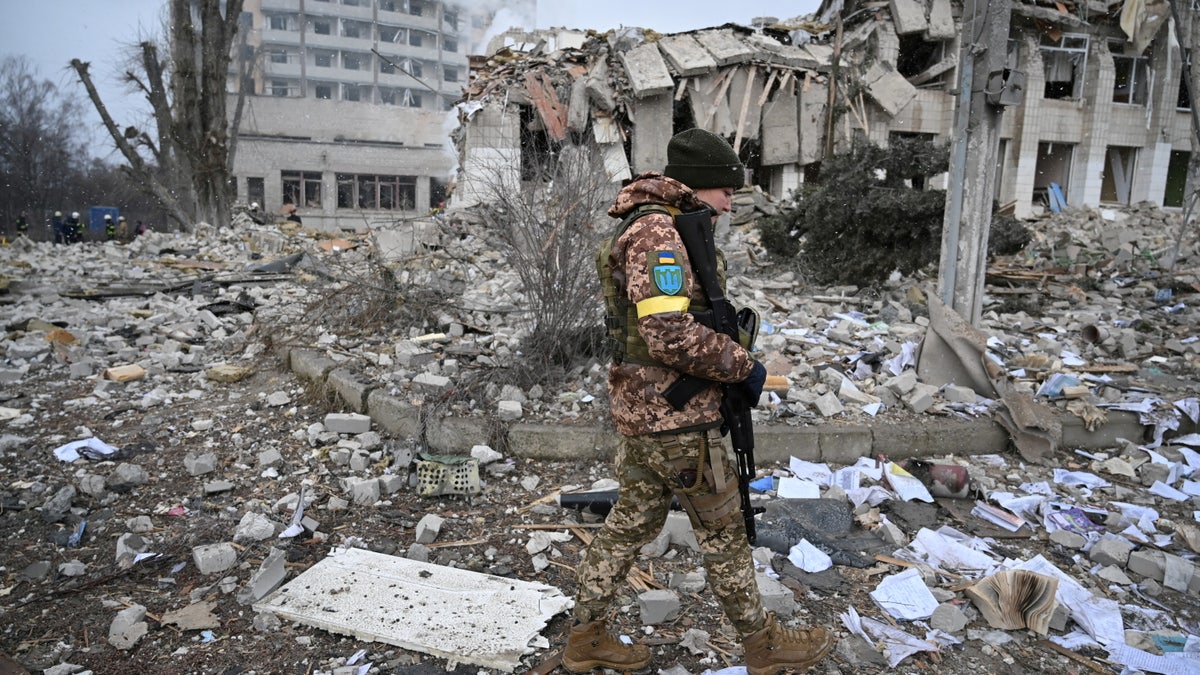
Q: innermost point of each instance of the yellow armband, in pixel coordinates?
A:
(661, 304)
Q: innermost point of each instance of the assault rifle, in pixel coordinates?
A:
(696, 231)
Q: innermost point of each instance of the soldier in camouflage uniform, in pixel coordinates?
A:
(665, 452)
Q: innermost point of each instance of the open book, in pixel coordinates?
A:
(1013, 599)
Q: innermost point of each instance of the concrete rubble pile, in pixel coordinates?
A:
(171, 319)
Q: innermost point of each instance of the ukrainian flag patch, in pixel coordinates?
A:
(667, 272)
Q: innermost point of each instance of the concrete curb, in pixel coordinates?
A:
(834, 441)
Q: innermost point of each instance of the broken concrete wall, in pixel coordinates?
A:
(491, 154)
(629, 91)
(781, 123)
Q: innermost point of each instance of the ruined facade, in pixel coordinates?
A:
(1093, 113)
(1096, 110)
(346, 107)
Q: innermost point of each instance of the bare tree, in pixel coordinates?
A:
(547, 223)
(190, 161)
(40, 151)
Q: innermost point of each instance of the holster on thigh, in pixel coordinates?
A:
(700, 483)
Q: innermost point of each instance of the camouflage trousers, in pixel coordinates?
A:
(651, 469)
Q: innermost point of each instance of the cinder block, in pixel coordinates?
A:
(347, 423)
(213, 558)
(775, 596)
(1111, 550)
(679, 528)
(658, 606)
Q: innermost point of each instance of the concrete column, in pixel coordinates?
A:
(1087, 166)
(973, 160)
(1024, 147)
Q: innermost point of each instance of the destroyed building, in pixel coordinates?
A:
(1095, 98)
(346, 105)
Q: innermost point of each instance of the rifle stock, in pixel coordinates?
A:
(696, 231)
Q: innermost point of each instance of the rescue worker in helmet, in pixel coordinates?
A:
(73, 228)
(110, 227)
(60, 231)
(122, 229)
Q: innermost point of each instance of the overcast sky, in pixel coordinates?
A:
(52, 32)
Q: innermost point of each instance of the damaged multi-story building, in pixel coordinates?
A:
(347, 104)
(1096, 108)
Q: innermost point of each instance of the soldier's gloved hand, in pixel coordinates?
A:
(753, 384)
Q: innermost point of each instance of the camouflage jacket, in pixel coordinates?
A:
(673, 337)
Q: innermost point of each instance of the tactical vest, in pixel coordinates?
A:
(620, 315)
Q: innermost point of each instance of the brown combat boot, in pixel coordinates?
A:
(775, 648)
(590, 645)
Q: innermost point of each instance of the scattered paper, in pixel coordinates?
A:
(1064, 477)
(906, 486)
(798, 488)
(1137, 659)
(898, 645)
(945, 553)
(997, 516)
(92, 448)
(817, 473)
(870, 468)
(847, 478)
(1163, 490)
(905, 596)
(809, 558)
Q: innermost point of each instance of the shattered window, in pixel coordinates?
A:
(282, 88)
(322, 27)
(390, 5)
(1132, 75)
(411, 66)
(351, 92)
(277, 22)
(278, 56)
(1176, 188)
(323, 91)
(922, 61)
(387, 96)
(370, 191)
(451, 18)
(353, 29)
(393, 34)
(323, 59)
(302, 187)
(1065, 61)
(449, 44)
(410, 99)
(416, 7)
(1120, 163)
(1184, 98)
(387, 66)
(450, 74)
(352, 61)
(256, 191)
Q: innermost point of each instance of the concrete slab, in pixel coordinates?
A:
(686, 55)
(725, 47)
(455, 614)
(648, 73)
